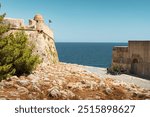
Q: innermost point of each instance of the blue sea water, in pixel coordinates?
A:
(90, 54)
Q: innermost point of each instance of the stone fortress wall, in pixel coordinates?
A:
(39, 34)
(135, 58)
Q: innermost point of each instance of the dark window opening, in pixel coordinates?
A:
(135, 61)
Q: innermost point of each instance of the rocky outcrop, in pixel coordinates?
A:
(39, 34)
(67, 81)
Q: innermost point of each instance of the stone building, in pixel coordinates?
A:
(135, 58)
(39, 34)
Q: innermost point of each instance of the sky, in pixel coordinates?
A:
(87, 20)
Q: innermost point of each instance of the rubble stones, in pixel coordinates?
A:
(31, 76)
(108, 90)
(67, 81)
(54, 92)
(14, 78)
(22, 90)
(102, 84)
(23, 82)
(8, 84)
(36, 88)
(13, 94)
(67, 94)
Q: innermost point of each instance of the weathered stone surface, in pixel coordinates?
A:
(40, 35)
(55, 82)
(16, 86)
(46, 79)
(22, 90)
(32, 76)
(132, 54)
(36, 88)
(54, 92)
(14, 78)
(1, 85)
(8, 84)
(108, 90)
(23, 82)
(77, 85)
(67, 94)
(13, 93)
(102, 84)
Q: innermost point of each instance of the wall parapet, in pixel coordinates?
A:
(30, 29)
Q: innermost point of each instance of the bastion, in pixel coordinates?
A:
(39, 34)
(135, 58)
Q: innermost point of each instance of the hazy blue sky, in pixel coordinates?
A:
(87, 20)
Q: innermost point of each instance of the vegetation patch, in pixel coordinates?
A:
(16, 56)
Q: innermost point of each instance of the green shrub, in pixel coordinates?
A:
(117, 69)
(16, 56)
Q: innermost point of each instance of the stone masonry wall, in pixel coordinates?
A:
(120, 57)
(40, 35)
(135, 58)
(140, 51)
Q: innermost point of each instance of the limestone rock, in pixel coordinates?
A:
(23, 82)
(36, 88)
(102, 84)
(1, 85)
(54, 92)
(67, 94)
(14, 78)
(30, 96)
(55, 82)
(46, 79)
(22, 90)
(13, 93)
(8, 84)
(108, 90)
(77, 85)
(32, 76)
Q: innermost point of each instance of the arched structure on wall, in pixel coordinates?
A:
(134, 57)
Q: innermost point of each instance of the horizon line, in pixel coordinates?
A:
(98, 41)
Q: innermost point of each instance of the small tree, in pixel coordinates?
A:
(16, 56)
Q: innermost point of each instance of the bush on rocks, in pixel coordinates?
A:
(16, 56)
(117, 69)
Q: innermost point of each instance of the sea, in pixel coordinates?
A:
(89, 54)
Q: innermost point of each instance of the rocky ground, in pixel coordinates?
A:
(68, 81)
